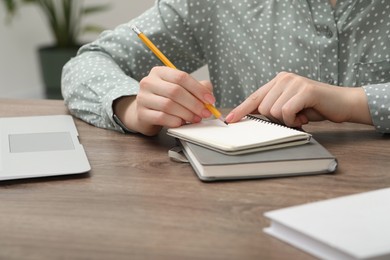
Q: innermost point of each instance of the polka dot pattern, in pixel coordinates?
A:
(245, 44)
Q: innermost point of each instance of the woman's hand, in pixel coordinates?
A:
(295, 100)
(167, 97)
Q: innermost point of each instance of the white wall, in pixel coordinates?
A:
(19, 71)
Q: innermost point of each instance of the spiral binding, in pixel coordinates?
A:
(255, 118)
(258, 119)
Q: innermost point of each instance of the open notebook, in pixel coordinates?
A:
(251, 134)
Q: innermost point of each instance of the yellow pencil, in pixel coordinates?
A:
(167, 63)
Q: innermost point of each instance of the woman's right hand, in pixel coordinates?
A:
(167, 97)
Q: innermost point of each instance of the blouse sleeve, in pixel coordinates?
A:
(112, 66)
(378, 96)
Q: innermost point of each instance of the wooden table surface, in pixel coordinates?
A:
(137, 204)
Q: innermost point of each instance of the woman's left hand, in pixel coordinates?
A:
(295, 100)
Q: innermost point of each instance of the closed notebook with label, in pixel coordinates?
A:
(249, 135)
(310, 158)
(350, 227)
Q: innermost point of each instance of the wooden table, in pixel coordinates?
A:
(137, 204)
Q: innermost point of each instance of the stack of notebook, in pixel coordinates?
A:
(251, 148)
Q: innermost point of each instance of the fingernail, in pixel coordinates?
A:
(209, 98)
(196, 119)
(206, 113)
(229, 118)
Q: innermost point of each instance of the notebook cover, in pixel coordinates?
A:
(255, 165)
(311, 150)
(349, 227)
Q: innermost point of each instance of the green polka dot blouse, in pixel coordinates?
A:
(245, 44)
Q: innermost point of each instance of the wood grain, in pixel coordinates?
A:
(137, 204)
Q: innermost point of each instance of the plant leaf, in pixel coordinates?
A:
(64, 17)
(90, 28)
(95, 9)
(10, 5)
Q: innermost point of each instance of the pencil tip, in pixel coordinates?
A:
(223, 120)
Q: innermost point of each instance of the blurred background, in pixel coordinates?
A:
(20, 39)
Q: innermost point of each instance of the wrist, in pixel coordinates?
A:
(125, 109)
(121, 107)
(359, 110)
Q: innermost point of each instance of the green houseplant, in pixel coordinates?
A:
(64, 18)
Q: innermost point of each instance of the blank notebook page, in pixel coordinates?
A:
(247, 133)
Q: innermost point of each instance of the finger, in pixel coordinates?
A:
(250, 105)
(169, 107)
(293, 110)
(155, 117)
(207, 84)
(246, 107)
(300, 108)
(272, 102)
(312, 114)
(182, 97)
(186, 81)
(275, 101)
(154, 85)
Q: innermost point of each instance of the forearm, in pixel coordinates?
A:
(90, 84)
(357, 106)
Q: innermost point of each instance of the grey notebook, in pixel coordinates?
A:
(310, 158)
(39, 146)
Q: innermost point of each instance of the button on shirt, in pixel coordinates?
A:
(245, 44)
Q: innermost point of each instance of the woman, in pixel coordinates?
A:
(293, 61)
